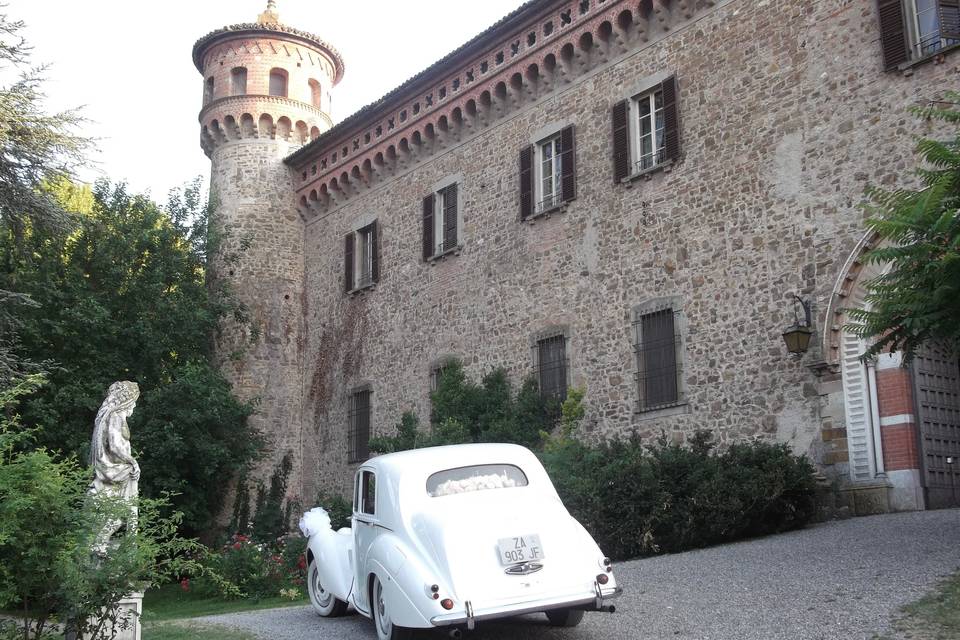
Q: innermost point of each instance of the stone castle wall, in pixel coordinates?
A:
(261, 261)
(786, 116)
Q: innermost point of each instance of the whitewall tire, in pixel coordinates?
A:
(386, 629)
(324, 602)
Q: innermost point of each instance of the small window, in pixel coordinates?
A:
(649, 141)
(316, 94)
(208, 90)
(551, 364)
(441, 224)
(365, 253)
(366, 499)
(238, 81)
(479, 477)
(646, 131)
(358, 426)
(278, 82)
(361, 258)
(547, 174)
(658, 346)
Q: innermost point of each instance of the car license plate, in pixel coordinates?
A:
(520, 549)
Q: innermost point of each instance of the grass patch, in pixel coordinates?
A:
(170, 602)
(191, 632)
(936, 616)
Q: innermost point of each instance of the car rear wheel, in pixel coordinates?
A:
(386, 630)
(565, 617)
(324, 602)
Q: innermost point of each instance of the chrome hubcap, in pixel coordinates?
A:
(383, 624)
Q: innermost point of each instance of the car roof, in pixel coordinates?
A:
(432, 459)
(406, 472)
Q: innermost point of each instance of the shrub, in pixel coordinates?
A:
(464, 411)
(641, 499)
(253, 570)
(271, 519)
(339, 508)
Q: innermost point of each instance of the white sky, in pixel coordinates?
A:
(127, 62)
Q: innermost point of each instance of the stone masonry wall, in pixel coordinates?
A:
(264, 234)
(786, 115)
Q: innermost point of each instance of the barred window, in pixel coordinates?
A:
(358, 426)
(659, 349)
(551, 354)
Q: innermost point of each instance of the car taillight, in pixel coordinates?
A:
(603, 578)
(447, 603)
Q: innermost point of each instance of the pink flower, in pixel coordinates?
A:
(185, 584)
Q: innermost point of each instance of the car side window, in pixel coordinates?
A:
(368, 493)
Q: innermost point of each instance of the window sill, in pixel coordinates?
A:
(454, 251)
(680, 408)
(546, 213)
(937, 57)
(666, 167)
(370, 286)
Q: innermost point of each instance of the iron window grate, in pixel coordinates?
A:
(358, 428)
(659, 371)
(552, 367)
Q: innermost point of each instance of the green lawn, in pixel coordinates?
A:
(187, 631)
(173, 603)
(936, 616)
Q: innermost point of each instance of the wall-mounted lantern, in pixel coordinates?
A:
(798, 336)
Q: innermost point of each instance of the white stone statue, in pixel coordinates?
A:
(116, 473)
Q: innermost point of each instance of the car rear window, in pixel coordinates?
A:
(477, 477)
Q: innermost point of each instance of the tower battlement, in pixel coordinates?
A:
(265, 80)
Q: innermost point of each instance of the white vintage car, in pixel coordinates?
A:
(449, 536)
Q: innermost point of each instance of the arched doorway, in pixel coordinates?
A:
(902, 421)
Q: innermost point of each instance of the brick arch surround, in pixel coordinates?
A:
(880, 419)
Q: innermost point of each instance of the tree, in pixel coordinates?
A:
(36, 148)
(918, 298)
(123, 296)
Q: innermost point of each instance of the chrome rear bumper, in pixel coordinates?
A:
(580, 600)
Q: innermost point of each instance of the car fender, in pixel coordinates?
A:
(333, 554)
(405, 582)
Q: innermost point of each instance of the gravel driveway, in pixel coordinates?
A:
(834, 580)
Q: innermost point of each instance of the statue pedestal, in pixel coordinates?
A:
(131, 608)
(128, 621)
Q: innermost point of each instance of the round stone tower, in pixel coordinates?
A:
(266, 91)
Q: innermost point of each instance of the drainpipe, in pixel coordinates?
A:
(875, 419)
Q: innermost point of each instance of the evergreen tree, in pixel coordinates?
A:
(36, 148)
